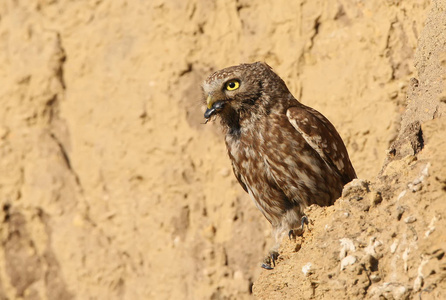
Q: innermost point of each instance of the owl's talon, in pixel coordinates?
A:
(293, 233)
(274, 255)
(271, 258)
(304, 221)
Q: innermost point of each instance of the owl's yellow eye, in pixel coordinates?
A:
(232, 85)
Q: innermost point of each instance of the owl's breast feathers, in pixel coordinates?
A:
(293, 156)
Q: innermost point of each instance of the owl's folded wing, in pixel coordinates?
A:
(322, 136)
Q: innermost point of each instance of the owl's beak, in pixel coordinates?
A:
(213, 107)
(209, 101)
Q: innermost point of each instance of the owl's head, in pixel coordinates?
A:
(237, 89)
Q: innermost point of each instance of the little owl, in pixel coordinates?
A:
(284, 154)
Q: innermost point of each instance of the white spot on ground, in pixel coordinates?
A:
(415, 185)
(418, 282)
(410, 219)
(394, 246)
(402, 194)
(405, 258)
(370, 249)
(346, 246)
(306, 269)
(431, 227)
(346, 261)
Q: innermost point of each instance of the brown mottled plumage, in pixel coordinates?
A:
(285, 155)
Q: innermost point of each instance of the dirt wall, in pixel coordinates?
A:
(110, 185)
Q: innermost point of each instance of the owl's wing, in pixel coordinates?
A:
(322, 136)
(238, 176)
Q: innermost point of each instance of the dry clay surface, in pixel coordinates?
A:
(112, 188)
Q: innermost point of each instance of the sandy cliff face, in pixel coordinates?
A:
(111, 188)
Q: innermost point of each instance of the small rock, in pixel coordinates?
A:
(346, 246)
(394, 246)
(370, 249)
(346, 261)
(431, 227)
(410, 219)
(415, 185)
(418, 283)
(375, 278)
(406, 258)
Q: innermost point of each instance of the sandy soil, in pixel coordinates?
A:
(112, 188)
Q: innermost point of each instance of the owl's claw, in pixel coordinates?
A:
(267, 266)
(293, 233)
(271, 258)
(304, 221)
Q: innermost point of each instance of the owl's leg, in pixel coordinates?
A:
(271, 258)
(304, 221)
(290, 220)
(279, 231)
(293, 233)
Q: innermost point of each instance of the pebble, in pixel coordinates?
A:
(346, 261)
(410, 219)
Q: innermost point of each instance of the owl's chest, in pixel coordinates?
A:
(254, 150)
